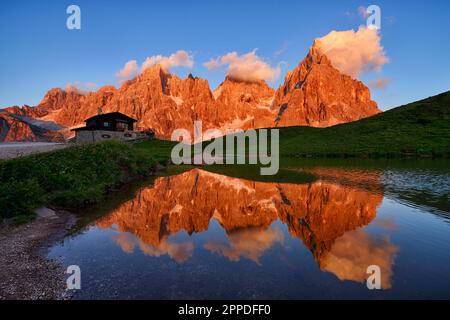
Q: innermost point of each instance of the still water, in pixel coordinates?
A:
(309, 232)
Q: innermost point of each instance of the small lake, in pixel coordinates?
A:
(312, 231)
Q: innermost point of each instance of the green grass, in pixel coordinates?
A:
(159, 150)
(74, 177)
(418, 129)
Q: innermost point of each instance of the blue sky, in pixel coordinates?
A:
(38, 52)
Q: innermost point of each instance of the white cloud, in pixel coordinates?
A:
(178, 59)
(81, 87)
(129, 70)
(212, 64)
(353, 252)
(379, 83)
(250, 243)
(354, 52)
(247, 67)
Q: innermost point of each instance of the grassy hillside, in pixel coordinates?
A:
(419, 128)
(74, 177)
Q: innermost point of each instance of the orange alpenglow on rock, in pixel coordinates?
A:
(313, 94)
(327, 216)
(317, 94)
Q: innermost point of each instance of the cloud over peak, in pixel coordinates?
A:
(81, 87)
(130, 70)
(354, 52)
(180, 58)
(247, 67)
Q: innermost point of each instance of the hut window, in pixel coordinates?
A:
(122, 125)
(106, 124)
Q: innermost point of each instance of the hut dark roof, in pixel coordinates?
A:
(111, 115)
(98, 121)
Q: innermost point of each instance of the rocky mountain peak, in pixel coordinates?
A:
(317, 94)
(315, 55)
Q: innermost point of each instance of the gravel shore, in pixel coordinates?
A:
(25, 273)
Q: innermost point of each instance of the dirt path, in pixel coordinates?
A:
(16, 149)
(24, 271)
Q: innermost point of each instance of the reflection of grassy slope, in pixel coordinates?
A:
(419, 183)
(440, 165)
(421, 127)
(252, 172)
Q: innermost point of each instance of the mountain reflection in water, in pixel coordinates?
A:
(326, 215)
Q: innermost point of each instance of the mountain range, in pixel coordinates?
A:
(314, 94)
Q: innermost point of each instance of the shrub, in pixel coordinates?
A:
(20, 197)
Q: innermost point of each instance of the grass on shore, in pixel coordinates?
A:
(76, 176)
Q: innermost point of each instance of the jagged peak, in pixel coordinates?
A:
(316, 56)
(230, 81)
(155, 69)
(107, 88)
(54, 91)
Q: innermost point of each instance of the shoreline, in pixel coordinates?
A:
(25, 271)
